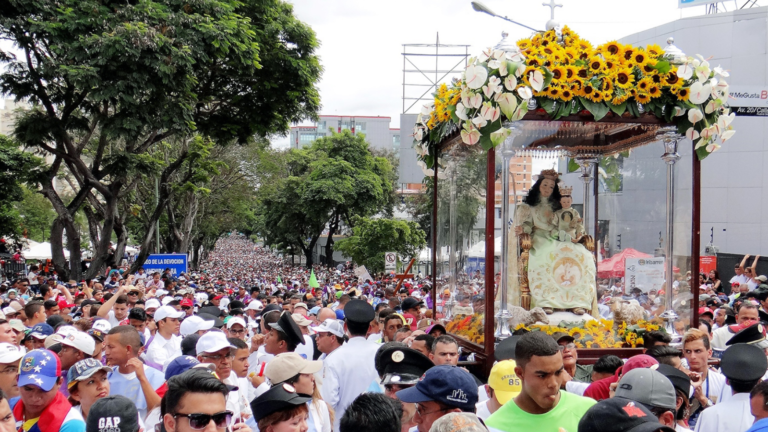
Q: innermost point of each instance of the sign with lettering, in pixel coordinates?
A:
(159, 262)
(643, 273)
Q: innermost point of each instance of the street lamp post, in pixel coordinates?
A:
(479, 7)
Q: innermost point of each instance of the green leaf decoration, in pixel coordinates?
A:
(619, 109)
(598, 110)
(662, 66)
(546, 103)
(573, 166)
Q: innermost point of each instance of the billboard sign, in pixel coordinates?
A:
(643, 273)
(159, 262)
(746, 100)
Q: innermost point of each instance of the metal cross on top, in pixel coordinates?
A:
(552, 5)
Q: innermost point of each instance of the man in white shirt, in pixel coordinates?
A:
(706, 385)
(213, 347)
(165, 346)
(748, 315)
(115, 309)
(744, 366)
(350, 370)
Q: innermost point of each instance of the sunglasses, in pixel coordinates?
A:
(200, 421)
(185, 308)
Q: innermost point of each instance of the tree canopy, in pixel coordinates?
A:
(16, 168)
(371, 238)
(109, 81)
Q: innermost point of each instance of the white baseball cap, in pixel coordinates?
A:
(301, 320)
(9, 311)
(166, 300)
(66, 330)
(81, 341)
(236, 320)
(333, 326)
(102, 325)
(152, 303)
(10, 353)
(194, 324)
(212, 342)
(161, 292)
(167, 312)
(255, 305)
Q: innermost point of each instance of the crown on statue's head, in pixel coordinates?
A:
(566, 190)
(549, 174)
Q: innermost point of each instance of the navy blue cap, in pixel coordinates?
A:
(41, 331)
(339, 314)
(180, 365)
(446, 384)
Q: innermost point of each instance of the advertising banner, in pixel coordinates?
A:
(644, 273)
(159, 262)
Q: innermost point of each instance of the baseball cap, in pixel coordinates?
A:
(314, 311)
(194, 324)
(301, 305)
(152, 303)
(410, 303)
(9, 353)
(181, 364)
(167, 312)
(40, 368)
(212, 342)
(189, 344)
(410, 321)
(504, 382)
(187, 303)
(301, 320)
(41, 331)
(236, 320)
(459, 422)
(648, 387)
(332, 326)
(620, 415)
(638, 361)
(113, 414)
(9, 311)
(287, 365)
(97, 334)
(102, 325)
(680, 381)
(449, 385)
(255, 305)
(80, 341)
(83, 370)
(17, 325)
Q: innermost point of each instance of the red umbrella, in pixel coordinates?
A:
(613, 267)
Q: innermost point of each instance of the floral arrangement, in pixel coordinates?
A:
(600, 333)
(470, 327)
(566, 75)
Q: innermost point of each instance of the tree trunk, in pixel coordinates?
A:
(189, 223)
(196, 244)
(334, 225)
(93, 225)
(122, 239)
(308, 250)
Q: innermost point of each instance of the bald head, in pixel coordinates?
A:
(325, 313)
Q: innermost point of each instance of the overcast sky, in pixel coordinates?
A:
(361, 41)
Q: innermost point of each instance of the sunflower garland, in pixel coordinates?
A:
(566, 75)
(600, 333)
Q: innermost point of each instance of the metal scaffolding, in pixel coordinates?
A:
(418, 73)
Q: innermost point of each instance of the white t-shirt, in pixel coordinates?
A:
(482, 410)
(111, 318)
(739, 278)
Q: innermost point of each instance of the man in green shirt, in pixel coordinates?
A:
(540, 406)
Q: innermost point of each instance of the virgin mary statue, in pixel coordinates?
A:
(561, 274)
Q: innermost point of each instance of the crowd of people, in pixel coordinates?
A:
(251, 343)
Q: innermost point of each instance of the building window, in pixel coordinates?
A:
(396, 140)
(359, 126)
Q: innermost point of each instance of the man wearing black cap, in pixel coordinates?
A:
(284, 336)
(682, 384)
(400, 368)
(411, 305)
(349, 370)
(743, 366)
(752, 335)
(619, 414)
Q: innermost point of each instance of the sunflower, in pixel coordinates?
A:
(607, 85)
(642, 98)
(606, 95)
(671, 79)
(582, 73)
(629, 52)
(536, 40)
(550, 35)
(524, 44)
(639, 58)
(611, 63)
(648, 68)
(566, 94)
(654, 90)
(596, 65)
(571, 73)
(625, 78)
(553, 92)
(618, 100)
(571, 54)
(533, 61)
(644, 84)
(591, 93)
(583, 45)
(612, 48)
(576, 87)
(683, 93)
(654, 50)
(558, 74)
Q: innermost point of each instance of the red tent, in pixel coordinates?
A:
(613, 267)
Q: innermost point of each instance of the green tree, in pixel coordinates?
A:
(324, 186)
(111, 80)
(16, 168)
(37, 215)
(371, 238)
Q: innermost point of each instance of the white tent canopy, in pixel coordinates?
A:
(478, 249)
(40, 251)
